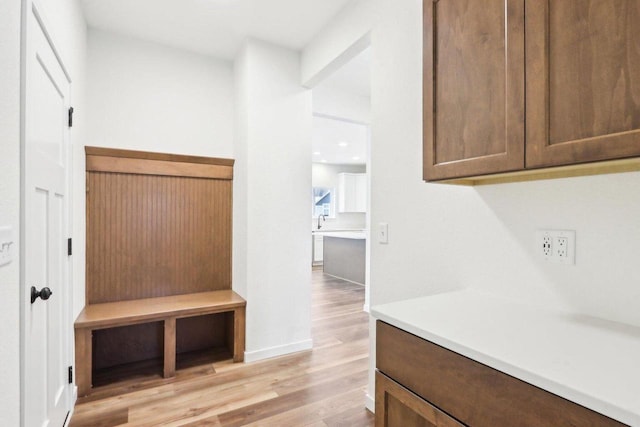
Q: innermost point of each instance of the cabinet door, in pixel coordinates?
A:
(473, 87)
(318, 248)
(583, 81)
(361, 193)
(345, 192)
(352, 192)
(398, 407)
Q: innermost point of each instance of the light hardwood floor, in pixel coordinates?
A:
(322, 387)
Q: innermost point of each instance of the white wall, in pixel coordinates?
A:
(443, 236)
(10, 209)
(271, 204)
(346, 32)
(150, 97)
(329, 101)
(326, 175)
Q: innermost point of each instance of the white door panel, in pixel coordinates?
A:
(47, 324)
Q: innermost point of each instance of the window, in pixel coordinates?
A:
(323, 202)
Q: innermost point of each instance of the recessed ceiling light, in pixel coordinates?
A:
(355, 158)
(343, 144)
(316, 153)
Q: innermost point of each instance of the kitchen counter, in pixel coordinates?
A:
(344, 234)
(590, 361)
(344, 254)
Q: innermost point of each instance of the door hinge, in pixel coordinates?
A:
(70, 116)
(70, 374)
(69, 247)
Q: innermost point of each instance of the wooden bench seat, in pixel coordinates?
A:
(165, 309)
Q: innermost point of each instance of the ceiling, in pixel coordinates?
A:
(214, 27)
(338, 141)
(352, 78)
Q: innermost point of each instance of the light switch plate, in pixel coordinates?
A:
(7, 245)
(383, 233)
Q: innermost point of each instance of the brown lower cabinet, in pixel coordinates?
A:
(419, 383)
(397, 406)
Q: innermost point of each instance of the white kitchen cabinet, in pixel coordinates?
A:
(318, 248)
(352, 192)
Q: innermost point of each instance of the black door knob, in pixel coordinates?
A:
(43, 293)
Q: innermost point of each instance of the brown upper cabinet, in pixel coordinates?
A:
(519, 85)
(473, 87)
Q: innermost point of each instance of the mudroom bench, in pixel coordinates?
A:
(161, 309)
(158, 267)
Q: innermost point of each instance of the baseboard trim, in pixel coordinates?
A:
(370, 403)
(346, 280)
(280, 350)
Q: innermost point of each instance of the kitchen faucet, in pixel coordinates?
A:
(324, 218)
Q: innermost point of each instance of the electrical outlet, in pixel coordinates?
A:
(561, 247)
(546, 245)
(557, 246)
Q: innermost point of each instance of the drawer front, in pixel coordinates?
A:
(473, 393)
(398, 407)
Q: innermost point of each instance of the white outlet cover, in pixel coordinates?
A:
(554, 255)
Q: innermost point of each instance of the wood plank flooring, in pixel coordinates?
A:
(323, 387)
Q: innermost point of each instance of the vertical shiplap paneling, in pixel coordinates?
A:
(151, 236)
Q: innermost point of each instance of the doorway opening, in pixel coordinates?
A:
(340, 193)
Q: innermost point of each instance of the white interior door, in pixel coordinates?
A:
(45, 223)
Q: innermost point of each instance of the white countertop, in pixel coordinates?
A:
(344, 234)
(590, 361)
